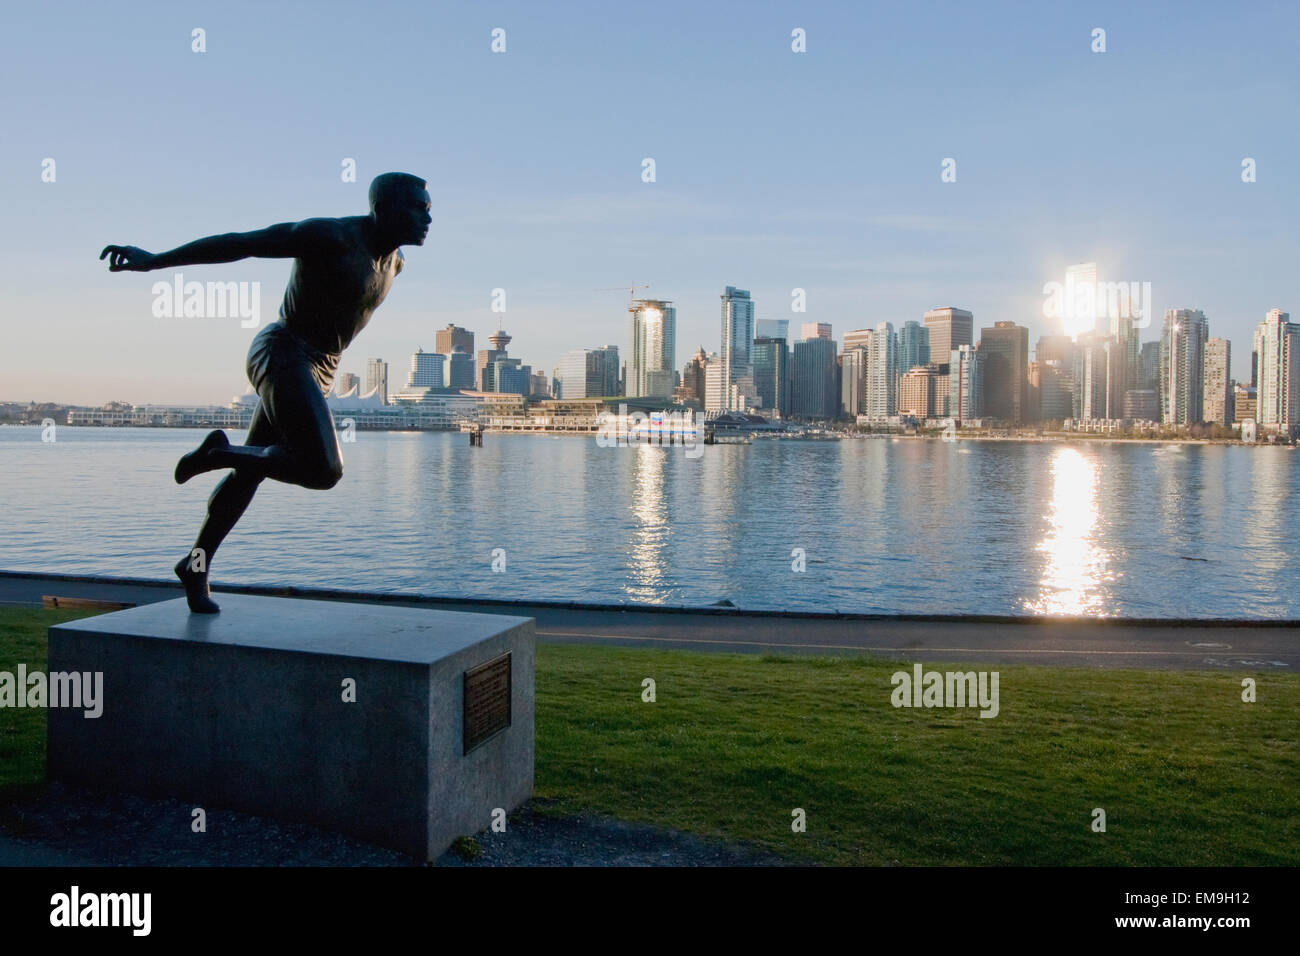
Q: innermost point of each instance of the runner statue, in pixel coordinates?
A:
(342, 270)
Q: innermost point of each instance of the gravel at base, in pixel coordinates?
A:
(59, 825)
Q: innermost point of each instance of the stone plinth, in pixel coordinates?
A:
(401, 726)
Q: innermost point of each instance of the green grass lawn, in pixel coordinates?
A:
(1187, 773)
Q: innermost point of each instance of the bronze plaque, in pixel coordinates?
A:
(487, 701)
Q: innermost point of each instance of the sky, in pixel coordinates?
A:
(774, 170)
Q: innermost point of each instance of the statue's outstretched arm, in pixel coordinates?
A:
(286, 240)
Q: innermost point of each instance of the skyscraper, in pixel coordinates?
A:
(949, 328)
(916, 392)
(1005, 349)
(772, 374)
(815, 330)
(852, 377)
(444, 340)
(737, 336)
(813, 393)
(1218, 381)
(589, 373)
(427, 370)
(913, 346)
(880, 386)
(460, 369)
(1182, 366)
(1277, 342)
(967, 383)
(377, 378)
(772, 329)
(652, 348)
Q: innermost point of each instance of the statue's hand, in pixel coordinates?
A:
(128, 259)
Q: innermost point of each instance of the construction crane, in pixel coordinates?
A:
(631, 290)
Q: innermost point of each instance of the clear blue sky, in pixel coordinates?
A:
(775, 170)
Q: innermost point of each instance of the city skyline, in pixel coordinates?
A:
(538, 189)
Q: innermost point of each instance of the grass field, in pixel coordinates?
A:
(1187, 773)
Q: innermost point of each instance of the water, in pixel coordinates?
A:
(1147, 530)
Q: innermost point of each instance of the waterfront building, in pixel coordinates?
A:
(814, 393)
(1182, 366)
(1218, 382)
(652, 348)
(1005, 352)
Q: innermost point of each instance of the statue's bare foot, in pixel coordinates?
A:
(196, 588)
(197, 461)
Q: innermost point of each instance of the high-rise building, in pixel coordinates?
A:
(880, 386)
(444, 340)
(852, 378)
(460, 369)
(916, 392)
(950, 329)
(913, 346)
(1218, 382)
(1245, 404)
(1277, 341)
(652, 348)
(1055, 391)
(692, 387)
(815, 330)
(427, 370)
(772, 374)
(589, 373)
(1141, 405)
(772, 329)
(346, 382)
(377, 378)
(714, 396)
(968, 382)
(1148, 375)
(1099, 394)
(814, 393)
(737, 335)
(1182, 366)
(541, 388)
(1005, 349)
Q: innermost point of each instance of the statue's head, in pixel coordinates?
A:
(400, 206)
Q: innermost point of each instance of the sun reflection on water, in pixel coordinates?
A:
(1076, 567)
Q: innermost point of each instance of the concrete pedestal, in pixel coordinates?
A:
(400, 726)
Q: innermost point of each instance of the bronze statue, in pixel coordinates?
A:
(342, 270)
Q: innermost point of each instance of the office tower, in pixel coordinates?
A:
(1097, 358)
(714, 396)
(1053, 348)
(426, 370)
(1005, 349)
(1141, 405)
(589, 373)
(1244, 404)
(1148, 376)
(949, 329)
(880, 386)
(968, 382)
(460, 369)
(652, 348)
(913, 346)
(541, 388)
(852, 377)
(814, 393)
(692, 387)
(772, 374)
(1182, 365)
(1218, 382)
(377, 378)
(772, 329)
(444, 340)
(510, 376)
(1055, 391)
(857, 339)
(1277, 341)
(737, 335)
(815, 330)
(346, 382)
(916, 391)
